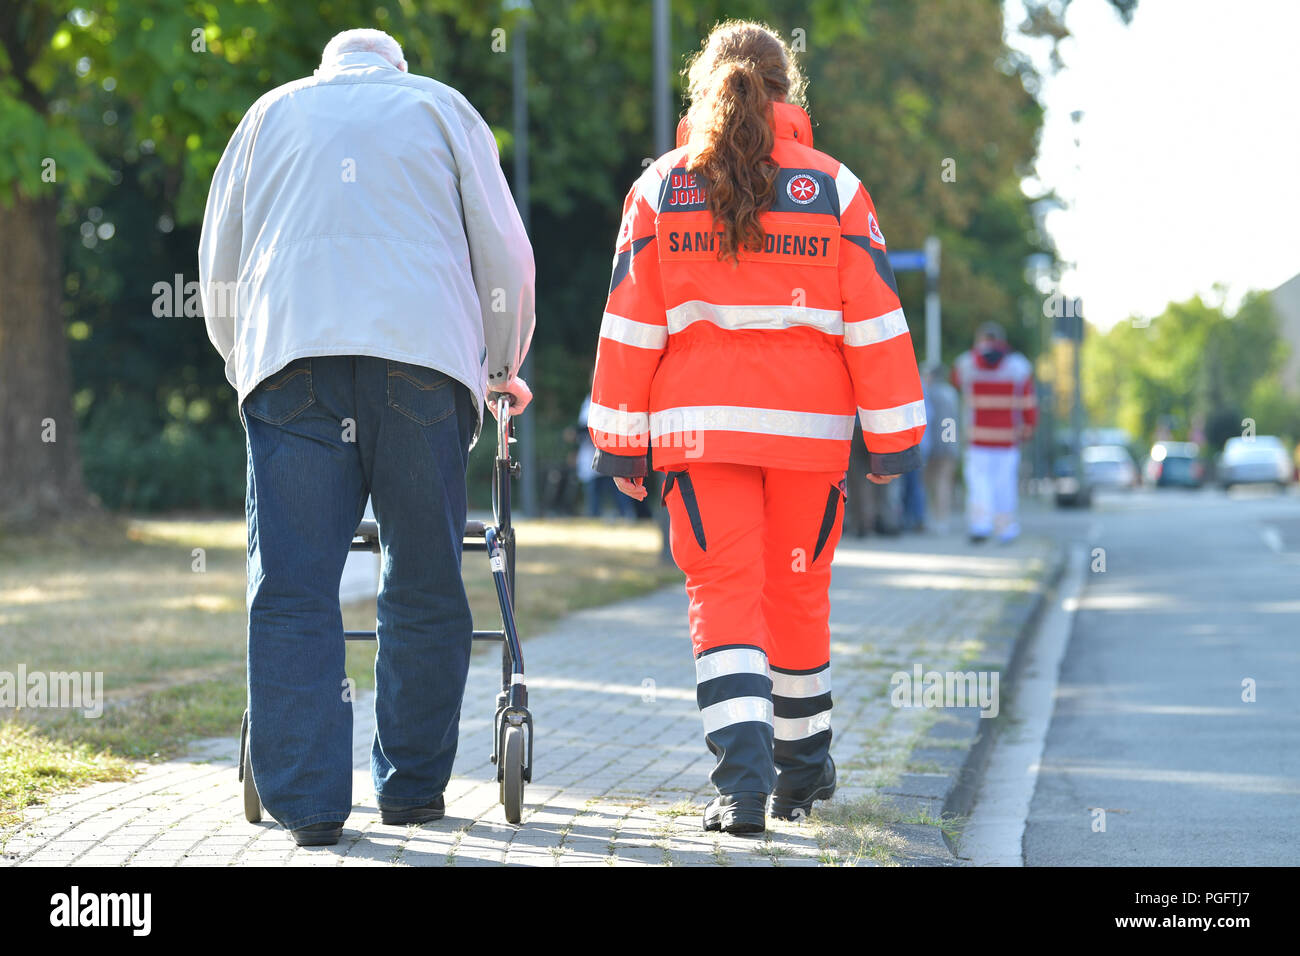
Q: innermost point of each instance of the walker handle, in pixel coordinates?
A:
(503, 426)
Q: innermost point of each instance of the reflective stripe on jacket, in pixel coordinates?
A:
(765, 362)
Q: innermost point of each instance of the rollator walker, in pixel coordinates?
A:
(512, 738)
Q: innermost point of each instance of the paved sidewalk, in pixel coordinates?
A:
(621, 768)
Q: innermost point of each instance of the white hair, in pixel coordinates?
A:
(365, 41)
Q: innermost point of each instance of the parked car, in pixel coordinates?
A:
(1068, 490)
(1261, 459)
(1109, 466)
(1175, 464)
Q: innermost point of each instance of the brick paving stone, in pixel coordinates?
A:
(616, 758)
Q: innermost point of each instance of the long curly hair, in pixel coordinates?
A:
(740, 70)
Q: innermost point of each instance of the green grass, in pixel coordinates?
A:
(923, 766)
(720, 857)
(850, 832)
(682, 808)
(33, 766)
(950, 826)
(158, 724)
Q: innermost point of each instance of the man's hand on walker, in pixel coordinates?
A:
(519, 392)
(632, 487)
(881, 479)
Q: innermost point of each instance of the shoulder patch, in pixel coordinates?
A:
(802, 189)
(873, 227)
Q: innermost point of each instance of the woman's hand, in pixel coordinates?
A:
(881, 479)
(632, 487)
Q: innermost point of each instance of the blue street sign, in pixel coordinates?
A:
(907, 260)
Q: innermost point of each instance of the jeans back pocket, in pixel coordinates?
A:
(422, 394)
(283, 396)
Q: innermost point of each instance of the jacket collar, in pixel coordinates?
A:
(353, 60)
(791, 122)
(788, 122)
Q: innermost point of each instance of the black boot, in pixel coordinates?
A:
(318, 834)
(798, 804)
(433, 810)
(737, 813)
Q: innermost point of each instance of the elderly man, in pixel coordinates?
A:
(366, 278)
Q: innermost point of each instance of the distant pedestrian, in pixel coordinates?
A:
(997, 385)
(913, 482)
(942, 412)
(870, 507)
(595, 486)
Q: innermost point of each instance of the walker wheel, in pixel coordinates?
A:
(252, 801)
(512, 774)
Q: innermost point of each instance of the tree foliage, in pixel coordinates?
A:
(136, 99)
(1196, 369)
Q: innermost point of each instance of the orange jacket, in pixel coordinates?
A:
(764, 363)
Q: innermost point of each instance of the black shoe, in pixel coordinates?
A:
(797, 805)
(978, 538)
(317, 834)
(737, 813)
(433, 810)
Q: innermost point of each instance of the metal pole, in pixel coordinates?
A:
(664, 140)
(528, 446)
(1075, 305)
(662, 91)
(1076, 412)
(1045, 433)
(933, 353)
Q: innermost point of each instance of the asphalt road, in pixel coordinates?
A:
(1199, 600)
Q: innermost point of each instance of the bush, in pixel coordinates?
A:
(136, 461)
(133, 464)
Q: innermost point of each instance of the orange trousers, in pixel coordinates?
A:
(756, 546)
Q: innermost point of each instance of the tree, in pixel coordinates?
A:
(135, 101)
(1195, 367)
(179, 75)
(40, 469)
(934, 117)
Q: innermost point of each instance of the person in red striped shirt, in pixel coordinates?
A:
(997, 386)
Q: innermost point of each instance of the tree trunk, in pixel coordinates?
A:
(40, 468)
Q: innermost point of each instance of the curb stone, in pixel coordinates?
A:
(961, 741)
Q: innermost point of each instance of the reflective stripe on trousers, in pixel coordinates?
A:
(756, 546)
(801, 707)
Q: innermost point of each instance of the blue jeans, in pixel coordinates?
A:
(323, 433)
(598, 488)
(914, 499)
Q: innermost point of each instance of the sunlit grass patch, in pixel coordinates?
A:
(682, 808)
(34, 766)
(851, 831)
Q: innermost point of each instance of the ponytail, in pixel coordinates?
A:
(732, 152)
(734, 80)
